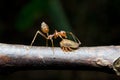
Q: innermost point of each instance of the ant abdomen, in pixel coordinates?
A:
(44, 27)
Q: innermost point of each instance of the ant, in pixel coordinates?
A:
(65, 44)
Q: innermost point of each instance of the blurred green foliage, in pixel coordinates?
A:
(35, 9)
(29, 13)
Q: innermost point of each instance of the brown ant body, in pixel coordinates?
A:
(66, 44)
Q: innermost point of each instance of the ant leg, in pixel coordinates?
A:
(47, 40)
(52, 45)
(38, 32)
(74, 37)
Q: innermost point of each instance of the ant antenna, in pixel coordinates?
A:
(74, 37)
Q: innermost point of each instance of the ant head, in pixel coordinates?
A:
(63, 34)
(44, 27)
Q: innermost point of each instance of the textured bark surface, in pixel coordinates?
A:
(21, 57)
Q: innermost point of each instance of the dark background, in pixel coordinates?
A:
(94, 22)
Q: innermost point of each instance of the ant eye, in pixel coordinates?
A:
(63, 33)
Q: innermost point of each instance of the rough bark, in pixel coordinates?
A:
(22, 57)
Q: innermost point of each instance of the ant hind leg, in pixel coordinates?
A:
(38, 32)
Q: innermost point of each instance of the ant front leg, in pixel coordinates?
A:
(38, 32)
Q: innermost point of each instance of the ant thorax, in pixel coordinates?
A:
(50, 36)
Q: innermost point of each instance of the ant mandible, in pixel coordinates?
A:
(65, 44)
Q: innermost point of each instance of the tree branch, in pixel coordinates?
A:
(21, 57)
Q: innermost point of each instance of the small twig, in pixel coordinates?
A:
(21, 57)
